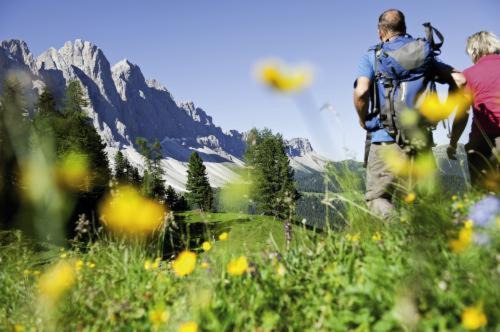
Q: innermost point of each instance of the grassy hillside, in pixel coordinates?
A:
(248, 233)
(421, 271)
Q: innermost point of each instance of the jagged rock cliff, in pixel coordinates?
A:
(124, 105)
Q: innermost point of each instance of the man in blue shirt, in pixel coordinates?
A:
(379, 180)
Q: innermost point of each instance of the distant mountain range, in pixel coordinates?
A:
(124, 105)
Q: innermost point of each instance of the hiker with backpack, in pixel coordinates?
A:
(392, 76)
(483, 87)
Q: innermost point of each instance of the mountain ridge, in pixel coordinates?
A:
(125, 105)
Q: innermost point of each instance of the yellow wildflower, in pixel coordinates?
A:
(398, 163)
(469, 223)
(434, 110)
(280, 270)
(223, 236)
(409, 118)
(410, 198)
(205, 265)
(185, 263)
(352, 237)
(206, 246)
(56, 280)
(127, 212)
(454, 197)
(473, 318)
(90, 265)
(158, 316)
(147, 265)
(78, 265)
(282, 78)
(19, 328)
(156, 264)
(463, 242)
(377, 237)
(238, 266)
(188, 327)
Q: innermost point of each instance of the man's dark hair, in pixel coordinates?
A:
(392, 21)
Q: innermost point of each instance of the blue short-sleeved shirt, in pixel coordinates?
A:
(366, 68)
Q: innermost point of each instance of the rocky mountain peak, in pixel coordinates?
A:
(19, 51)
(297, 147)
(86, 57)
(196, 113)
(127, 70)
(154, 84)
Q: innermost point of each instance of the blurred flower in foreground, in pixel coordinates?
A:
(283, 78)
(483, 213)
(149, 265)
(224, 236)
(280, 270)
(464, 239)
(72, 172)
(206, 246)
(473, 318)
(420, 168)
(377, 237)
(237, 266)
(185, 263)
(19, 328)
(127, 212)
(188, 327)
(406, 311)
(158, 316)
(235, 195)
(410, 198)
(78, 265)
(352, 237)
(409, 118)
(434, 110)
(56, 280)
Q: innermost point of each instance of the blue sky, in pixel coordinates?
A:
(205, 51)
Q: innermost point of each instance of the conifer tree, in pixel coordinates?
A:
(274, 190)
(199, 193)
(124, 171)
(46, 104)
(171, 198)
(74, 100)
(153, 184)
(182, 204)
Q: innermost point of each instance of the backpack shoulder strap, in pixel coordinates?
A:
(375, 109)
(429, 35)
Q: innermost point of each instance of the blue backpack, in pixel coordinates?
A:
(404, 69)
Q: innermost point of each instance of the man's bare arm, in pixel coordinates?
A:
(459, 124)
(451, 76)
(362, 98)
(460, 120)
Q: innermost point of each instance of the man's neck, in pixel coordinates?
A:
(391, 38)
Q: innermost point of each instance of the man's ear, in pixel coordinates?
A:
(380, 34)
